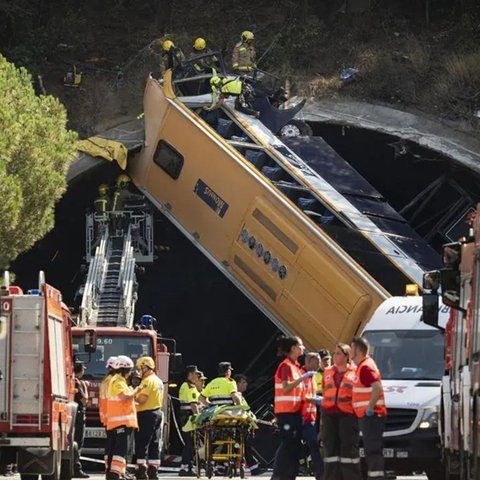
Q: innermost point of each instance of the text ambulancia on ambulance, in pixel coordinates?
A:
(410, 356)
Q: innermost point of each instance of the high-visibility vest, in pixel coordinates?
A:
(291, 401)
(120, 412)
(361, 393)
(340, 397)
(219, 391)
(187, 395)
(103, 399)
(319, 381)
(309, 409)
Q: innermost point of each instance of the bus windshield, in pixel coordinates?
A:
(108, 346)
(408, 354)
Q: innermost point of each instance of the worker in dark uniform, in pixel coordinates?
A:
(173, 55)
(339, 423)
(81, 399)
(244, 54)
(149, 400)
(121, 415)
(235, 87)
(189, 405)
(221, 390)
(121, 196)
(205, 64)
(102, 203)
(369, 405)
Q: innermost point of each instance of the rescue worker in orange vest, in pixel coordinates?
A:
(103, 408)
(148, 437)
(289, 380)
(121, 416)
(340, 432)
(244, 54)
(309, 412)
(369, 406)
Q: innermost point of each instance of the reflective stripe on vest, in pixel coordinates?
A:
(291, 401)
(221, 400)
(120, 412)
(361, 394)
(340, 397)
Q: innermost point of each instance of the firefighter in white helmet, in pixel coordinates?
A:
(149, 401)
(103, 408)
(121, 415)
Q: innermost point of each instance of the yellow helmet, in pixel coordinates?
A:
(122, 180)
(215, 81)
(167, 45)
(103, 189)
(145, 362)
(247, 35)
(200, 44)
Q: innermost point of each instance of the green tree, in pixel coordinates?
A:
(35, 151)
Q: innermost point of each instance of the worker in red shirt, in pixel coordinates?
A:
(309, 412)
(289, 380)
(369, 405)
(340, 432)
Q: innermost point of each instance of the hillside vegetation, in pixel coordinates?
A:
(415, 54)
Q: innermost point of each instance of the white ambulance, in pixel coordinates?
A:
(410, 356)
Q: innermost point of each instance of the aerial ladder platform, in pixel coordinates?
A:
(309, 241)
(115, 244)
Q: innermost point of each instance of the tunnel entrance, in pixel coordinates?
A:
(434, 193)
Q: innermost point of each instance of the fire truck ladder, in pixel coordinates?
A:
(110, 290)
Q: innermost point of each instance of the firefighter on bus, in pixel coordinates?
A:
(149, 400)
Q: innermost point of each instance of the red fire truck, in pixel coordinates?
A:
(36, 383)
(459, 282)
(113, 341)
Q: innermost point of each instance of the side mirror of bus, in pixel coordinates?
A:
(175, 363)
(90, 341)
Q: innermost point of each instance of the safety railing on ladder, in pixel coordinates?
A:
(94, 282)
(127, 284)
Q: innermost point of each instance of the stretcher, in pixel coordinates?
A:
(219, 437)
